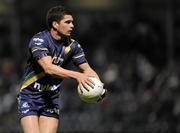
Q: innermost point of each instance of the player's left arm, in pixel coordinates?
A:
(86, 69)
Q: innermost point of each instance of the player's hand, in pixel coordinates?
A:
(84, 81)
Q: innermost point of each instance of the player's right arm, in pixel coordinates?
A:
(54, 70)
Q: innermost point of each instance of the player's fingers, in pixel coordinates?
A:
(90, 83)
(85, 86)
(81, 87)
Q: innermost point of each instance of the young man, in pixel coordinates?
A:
(50, 51)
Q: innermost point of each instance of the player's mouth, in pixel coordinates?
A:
(70, 31)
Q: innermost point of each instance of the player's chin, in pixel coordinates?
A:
(68, 34)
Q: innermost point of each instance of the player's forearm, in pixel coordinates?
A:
(91, 72)
(88, 70)
(60, 72)
(51, 69)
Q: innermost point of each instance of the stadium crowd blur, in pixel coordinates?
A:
(134, 47)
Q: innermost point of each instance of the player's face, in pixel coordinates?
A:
(65, 26)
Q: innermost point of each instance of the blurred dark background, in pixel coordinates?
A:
(132, 44)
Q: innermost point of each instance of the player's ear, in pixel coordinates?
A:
(55, 25)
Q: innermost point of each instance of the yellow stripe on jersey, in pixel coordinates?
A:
(33, 79)
(78, 56)
(36, 48)
(68, 48)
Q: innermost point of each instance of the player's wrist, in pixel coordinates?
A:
(75, 75)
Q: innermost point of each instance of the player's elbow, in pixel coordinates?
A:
(48, 70)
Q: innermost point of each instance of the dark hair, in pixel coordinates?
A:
(56, 14)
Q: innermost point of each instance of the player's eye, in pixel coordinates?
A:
(68, 22)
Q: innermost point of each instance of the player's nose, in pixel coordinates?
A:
(72, 25)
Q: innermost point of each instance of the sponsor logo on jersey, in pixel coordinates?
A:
(48, 87)
(38, 40)
(58, 61)
(38, 43)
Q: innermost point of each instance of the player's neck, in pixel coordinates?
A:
(58, 38)
(55, 35)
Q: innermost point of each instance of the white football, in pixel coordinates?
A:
(94, 94)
